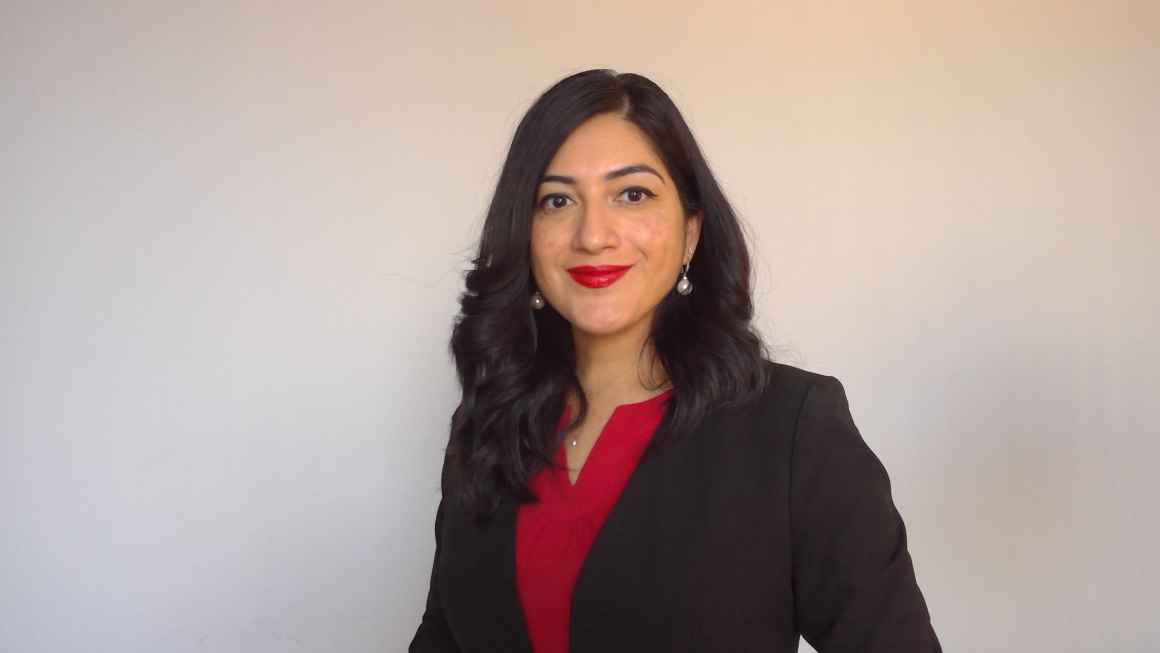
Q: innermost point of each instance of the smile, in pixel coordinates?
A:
(597, 276)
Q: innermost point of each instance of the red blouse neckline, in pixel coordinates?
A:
(554, 534)
(631, 425)
(650, 404)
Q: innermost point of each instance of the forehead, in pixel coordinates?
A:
(600, 144)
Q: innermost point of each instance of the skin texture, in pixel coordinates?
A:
(634, 219)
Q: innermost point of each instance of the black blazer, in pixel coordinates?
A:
(771, 520)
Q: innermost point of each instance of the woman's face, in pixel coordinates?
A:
(607, 200)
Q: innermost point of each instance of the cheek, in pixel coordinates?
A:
(545, 244)
(657, 237)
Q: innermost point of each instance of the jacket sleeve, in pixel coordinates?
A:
(854, 583)
(433, 635)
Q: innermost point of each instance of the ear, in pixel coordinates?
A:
(692, 235)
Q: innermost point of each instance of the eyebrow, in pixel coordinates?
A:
(619, 172)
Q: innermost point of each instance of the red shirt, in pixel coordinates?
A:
(553, 536)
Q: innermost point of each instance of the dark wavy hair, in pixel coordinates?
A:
(516, 365)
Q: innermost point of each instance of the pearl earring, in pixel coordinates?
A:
(537, 301)
(684, 286)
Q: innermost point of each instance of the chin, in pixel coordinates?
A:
(596, 325)
(598, 330)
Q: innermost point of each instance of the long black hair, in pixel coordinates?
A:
(516, 365)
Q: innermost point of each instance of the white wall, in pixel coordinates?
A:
(232, 241)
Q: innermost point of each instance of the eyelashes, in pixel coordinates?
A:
(648, 194)
(549, 201)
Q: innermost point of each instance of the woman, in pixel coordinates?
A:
(626, 470)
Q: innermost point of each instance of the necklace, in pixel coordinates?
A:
(573, 443)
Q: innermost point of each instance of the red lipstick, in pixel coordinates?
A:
(597, 276)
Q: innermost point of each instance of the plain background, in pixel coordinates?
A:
(233, 236)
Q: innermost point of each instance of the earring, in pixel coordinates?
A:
(684, 286)
(537, 301)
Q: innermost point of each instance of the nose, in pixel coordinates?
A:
(595, 229)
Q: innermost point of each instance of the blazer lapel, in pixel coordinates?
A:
(630, 582)
(620, 571)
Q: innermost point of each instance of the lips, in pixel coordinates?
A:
(597, 276)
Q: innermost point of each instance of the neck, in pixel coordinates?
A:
(618, 368)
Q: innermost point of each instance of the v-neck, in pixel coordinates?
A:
(613, 426)
(553, 535)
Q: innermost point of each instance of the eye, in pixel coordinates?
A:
(554, 201)
(637, 194)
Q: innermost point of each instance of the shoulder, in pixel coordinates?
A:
(782, 378)
(808, 404)
(795, 404)
(815, 428)
(787, 389)
(772, 417)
